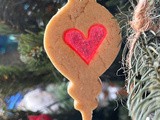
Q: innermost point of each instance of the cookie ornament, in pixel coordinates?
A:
(82, 40)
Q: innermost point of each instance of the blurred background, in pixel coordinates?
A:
(30, 87)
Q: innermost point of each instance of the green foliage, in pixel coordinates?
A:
(31, 50)
(59, 90)
(112, 3)
(34, 56)
(37, 68)
(8, 72)
(28, 14)
(8, 79)
(143, 73)
(5, 29)
(144, 78)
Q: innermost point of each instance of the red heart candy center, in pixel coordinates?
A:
(86, 47)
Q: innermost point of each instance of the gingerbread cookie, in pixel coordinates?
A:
(82, 40)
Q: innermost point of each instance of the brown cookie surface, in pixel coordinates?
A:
(81, 15)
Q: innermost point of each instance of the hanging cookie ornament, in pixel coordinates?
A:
(82, 40)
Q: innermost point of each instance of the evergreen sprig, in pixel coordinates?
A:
(9, 72)
(31, 50)
(143, 60)
(34, 56)
(6, 29)
(59, 90)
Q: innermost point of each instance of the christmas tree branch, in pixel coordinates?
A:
(143, 61)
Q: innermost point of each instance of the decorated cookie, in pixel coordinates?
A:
(82, 40)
